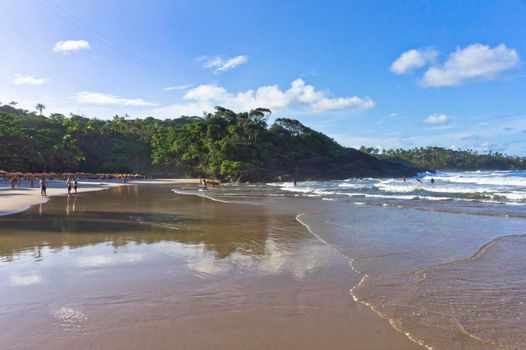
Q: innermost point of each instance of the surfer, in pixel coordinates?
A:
(405, 179)
(419, 181)
(432, 180)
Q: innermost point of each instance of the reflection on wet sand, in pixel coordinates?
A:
(139, 267)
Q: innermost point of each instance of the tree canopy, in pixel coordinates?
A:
(435, 158)
(222, 144)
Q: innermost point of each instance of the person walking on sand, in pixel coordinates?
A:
(43, 187)
(75, 185)
(31, 181)
(68, 182)
(13, 182)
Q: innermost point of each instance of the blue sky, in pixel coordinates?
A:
(375, 73)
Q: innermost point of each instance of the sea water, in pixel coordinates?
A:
(444, 261)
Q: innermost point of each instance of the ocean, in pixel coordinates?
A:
(444, 261)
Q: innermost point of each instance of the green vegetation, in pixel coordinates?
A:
(434, 158)
(223, 144)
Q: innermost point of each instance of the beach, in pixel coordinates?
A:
(166, 271)
(163, 265)
(23, 197)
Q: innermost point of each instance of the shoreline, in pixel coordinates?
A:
(23, 198)
(298, 218)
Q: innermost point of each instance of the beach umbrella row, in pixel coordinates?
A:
(6, 174)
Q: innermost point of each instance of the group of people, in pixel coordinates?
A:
(71, 183)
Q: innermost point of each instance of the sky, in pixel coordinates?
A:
(386, 74)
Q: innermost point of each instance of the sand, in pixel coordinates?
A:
(23, 197)
(140, 267)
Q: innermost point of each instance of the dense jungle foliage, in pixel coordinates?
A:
(222, 144)
(219, 144)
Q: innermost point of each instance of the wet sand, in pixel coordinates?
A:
(23, 197)
(140, 267)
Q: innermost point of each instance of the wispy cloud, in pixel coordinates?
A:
(98, 98)
(436, 119)
(475, 61)
(178, 87)
(71, 45)
(221, 64)
(298, 95)
(27, 80)
(413, 59)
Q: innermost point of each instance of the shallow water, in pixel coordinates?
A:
(146, 267)
(448, 274)
(141, 267)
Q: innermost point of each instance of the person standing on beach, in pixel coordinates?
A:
(31, 181)
(75, 185)
(43, 187)
(68, 182)
(13, 182)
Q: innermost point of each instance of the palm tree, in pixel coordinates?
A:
(40, 107)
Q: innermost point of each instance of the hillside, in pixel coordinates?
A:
(223, 144)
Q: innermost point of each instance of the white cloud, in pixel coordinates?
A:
(178, 87)
(207, 93)
(436, 119)
(98, 98)
(413, 59)
(298, 95)
(27, 280)
(221, 64)
(71, 45)
(27, 80)
(472, 62)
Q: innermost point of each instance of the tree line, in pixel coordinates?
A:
(222, 144)
(218, 144)
(435, 158)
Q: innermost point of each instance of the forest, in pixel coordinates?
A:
(223, 144)
(438, 158)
